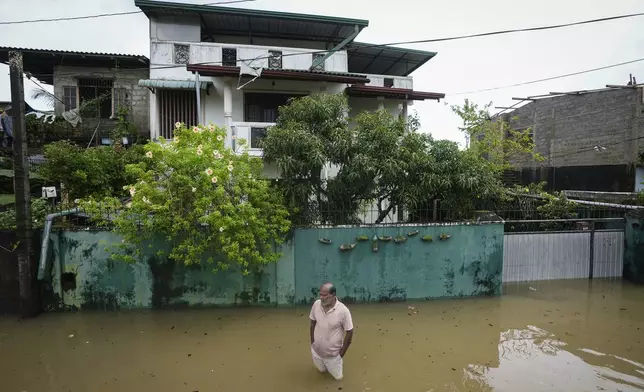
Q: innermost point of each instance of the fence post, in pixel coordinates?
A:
(592, 250)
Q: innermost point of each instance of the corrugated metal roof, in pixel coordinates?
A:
(385, 60)
(71, 52)
(173, 84)
(286, 74)
(40, 62)
(258, 23)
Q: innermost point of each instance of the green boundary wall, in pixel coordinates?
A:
(81, 274)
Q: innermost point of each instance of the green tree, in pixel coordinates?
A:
(94, 171)
(494, 139)
(380, 159)
(208, 201)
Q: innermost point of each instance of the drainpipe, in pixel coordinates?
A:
(228, 110)
(45, 239)
(198, 88)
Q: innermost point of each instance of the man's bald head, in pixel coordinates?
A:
(327, 293)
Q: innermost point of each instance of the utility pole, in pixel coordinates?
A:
(21, 187)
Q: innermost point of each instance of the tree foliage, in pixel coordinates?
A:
(372, 158)
(94, 171)
(494, 138)
(206, 200)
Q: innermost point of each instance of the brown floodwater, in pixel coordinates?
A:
(543, 336)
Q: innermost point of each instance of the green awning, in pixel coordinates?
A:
(172, 84)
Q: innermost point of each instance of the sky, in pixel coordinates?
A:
(460, 66)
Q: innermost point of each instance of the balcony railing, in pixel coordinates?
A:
(230, 55)
(404, 82)
(253, 133)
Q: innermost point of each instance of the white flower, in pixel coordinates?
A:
(214, 180)
(211, 128)
(216, 154)
(132, 191)
(250, 176)
(77, 201)
(194, 189)
(230, 167)
(129, 204)
(209, 171)
(234, 137)
(220, 138)
(230, 162)
(176, 139)
(199, 152)
(148, 154)
(146, 200)
(177, 125)
(221, 229)
(195, 129)
(200, 147)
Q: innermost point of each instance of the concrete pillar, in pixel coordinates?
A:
(153, 115)
(228, 111)
(405, 111)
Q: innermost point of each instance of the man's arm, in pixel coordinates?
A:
(348, 338)
(312, 330)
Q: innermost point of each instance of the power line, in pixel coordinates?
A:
(15, 22)
(549, 78)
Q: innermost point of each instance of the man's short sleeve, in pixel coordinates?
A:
(312, 314)
(347, 321)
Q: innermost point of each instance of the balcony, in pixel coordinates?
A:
(171, 53)
(253, 133)
(402, 82)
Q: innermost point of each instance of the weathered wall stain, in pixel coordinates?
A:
(84, 276)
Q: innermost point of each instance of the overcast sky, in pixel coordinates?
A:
(460, 66)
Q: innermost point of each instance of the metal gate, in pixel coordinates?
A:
(562, 255)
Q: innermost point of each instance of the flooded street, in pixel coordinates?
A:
(548, 336)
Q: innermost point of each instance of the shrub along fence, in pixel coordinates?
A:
(367, 264)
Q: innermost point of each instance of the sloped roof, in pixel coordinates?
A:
(258, 23)
(385, 60)
(40, 62)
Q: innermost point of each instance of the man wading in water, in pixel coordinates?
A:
(330, 319)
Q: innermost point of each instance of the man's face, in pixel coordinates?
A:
(325, 296)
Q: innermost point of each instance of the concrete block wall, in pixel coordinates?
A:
(123, 78)
(564, 125)
(82, 275)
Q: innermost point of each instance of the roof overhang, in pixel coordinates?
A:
(40, 62)
(282, 74)
(385, 60)
(257, 23)
(173, 84)
(391, 93)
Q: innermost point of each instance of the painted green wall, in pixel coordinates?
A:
(634, 248)
(82, 275)
(468, 264)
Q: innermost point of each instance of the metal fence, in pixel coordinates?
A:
(573, 254)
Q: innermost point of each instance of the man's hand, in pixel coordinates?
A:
(348, 338)
(312, 331)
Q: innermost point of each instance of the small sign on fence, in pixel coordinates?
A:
(49, 192)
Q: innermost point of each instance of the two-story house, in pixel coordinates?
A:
(249, 62)
(590, 140)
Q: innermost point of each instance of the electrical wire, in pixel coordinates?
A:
(15, 22)
(549, 78)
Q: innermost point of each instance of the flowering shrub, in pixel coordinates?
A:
(206, 200)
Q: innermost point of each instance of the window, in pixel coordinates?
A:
(70, 98)
(274, 59)
(229, 57)
(176, 106)
(120, 100)
(316, 57)
(181, 54)
(97, 95)
(389, 82)
(262, 108)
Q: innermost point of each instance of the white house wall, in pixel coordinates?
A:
(184, 28)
